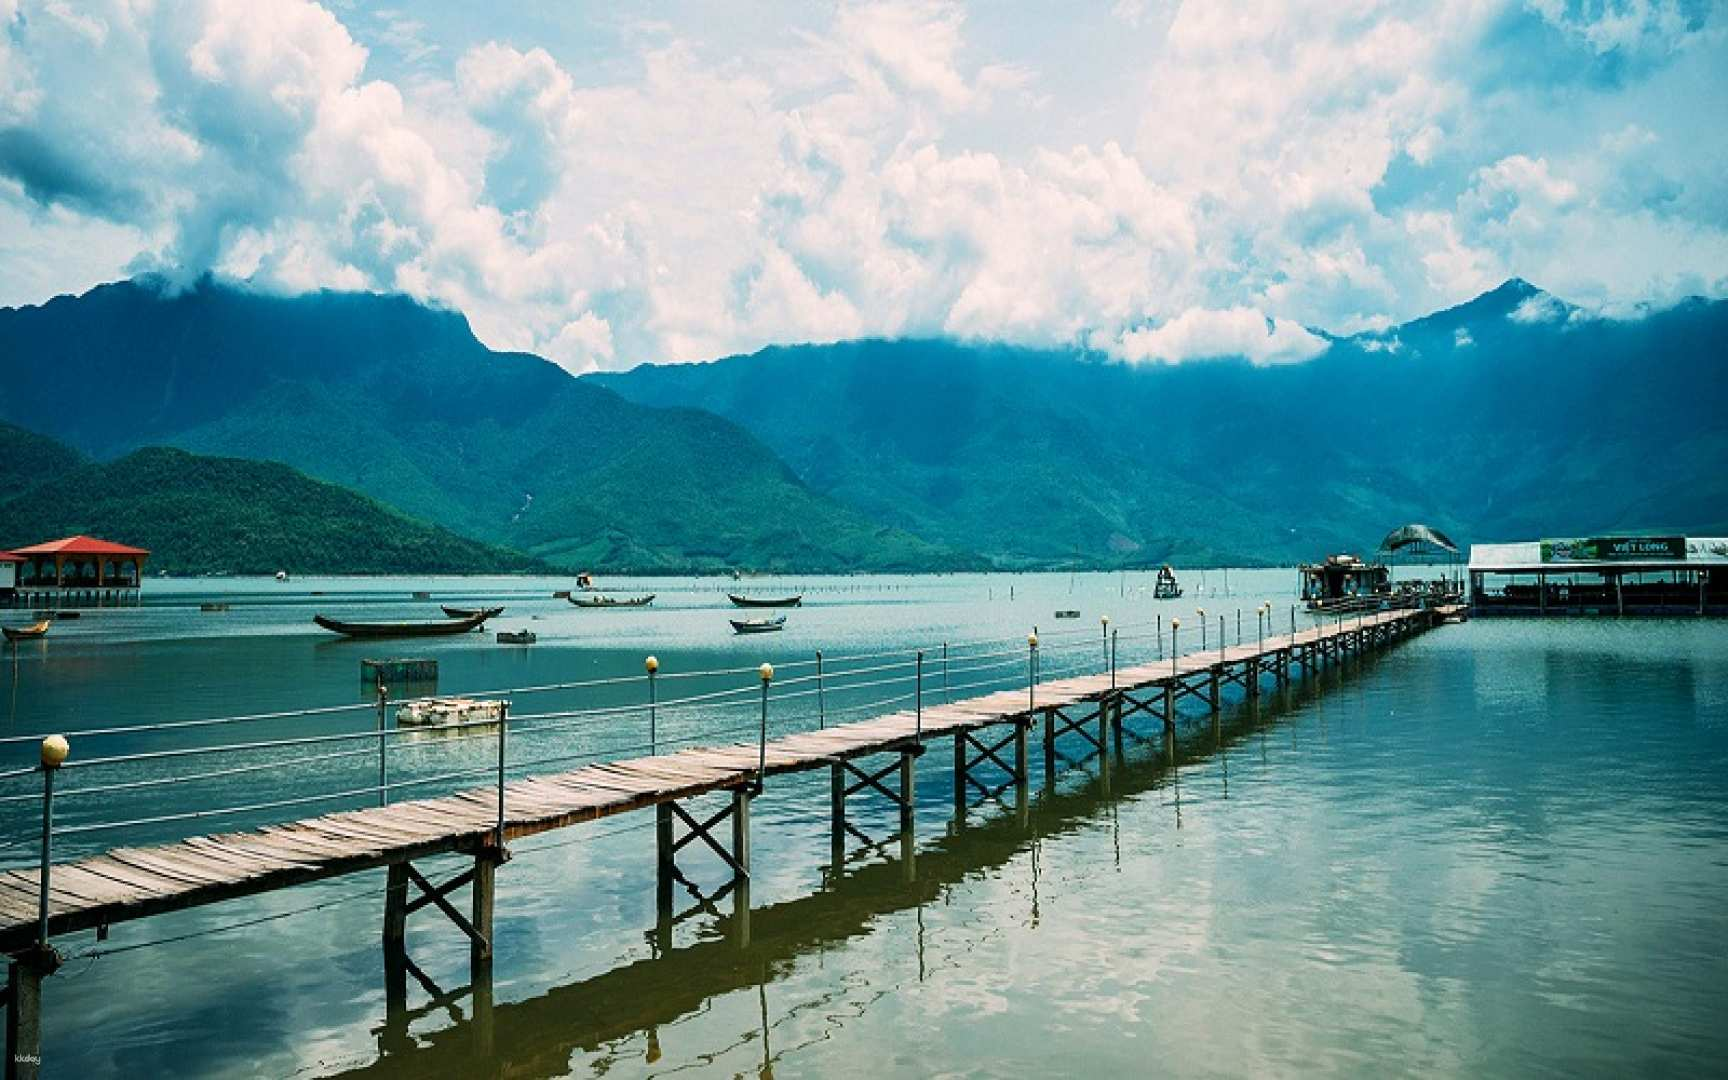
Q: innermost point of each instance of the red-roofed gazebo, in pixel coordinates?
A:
(80, 566)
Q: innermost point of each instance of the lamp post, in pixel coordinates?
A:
(652, 664)
(55, 750)
(1201, 612)
(1175, 625)
(766, 671)
(1104, 628)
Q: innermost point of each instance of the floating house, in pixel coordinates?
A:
(1344, 583)
(1601, 575)
(77, 570)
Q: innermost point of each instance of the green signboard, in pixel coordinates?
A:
(1613, 549)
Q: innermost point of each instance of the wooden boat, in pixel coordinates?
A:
(447, 711)
(1069, 613)
(759, 602)
(516, 637)
(214, 607)
(402, 629)
(612, 601)
(25, 633)
(758, 626)
(469, 613)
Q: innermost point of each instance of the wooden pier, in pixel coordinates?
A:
(989, 736)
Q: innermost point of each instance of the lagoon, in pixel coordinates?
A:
(1498, 848)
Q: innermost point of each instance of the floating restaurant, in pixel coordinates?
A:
(1601, 575)
(75, 570)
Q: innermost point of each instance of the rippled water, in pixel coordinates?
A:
(1499, 848)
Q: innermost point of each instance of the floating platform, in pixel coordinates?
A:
(444, 712)
(396, 672)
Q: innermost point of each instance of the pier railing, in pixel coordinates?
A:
(129, 784)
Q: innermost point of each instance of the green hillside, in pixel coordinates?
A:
(200, 514)
(398, 400)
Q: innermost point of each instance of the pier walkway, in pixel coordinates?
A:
(989, 736)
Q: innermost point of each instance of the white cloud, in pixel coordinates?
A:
(607, 191)
(1205, 334)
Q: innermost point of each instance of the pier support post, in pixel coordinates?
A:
(1049, 748)
(837, 816)
(741, 856)
(485, 882)
(908, 799)
(664, 871)
(1254, 677)
(960, 778)
(1212, 690)
(395, 942)
(24, 1015)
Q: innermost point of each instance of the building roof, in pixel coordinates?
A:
(1559, 556)
(7, 556)
(79, 545)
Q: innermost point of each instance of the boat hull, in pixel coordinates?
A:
(757, 626)
(411, 629)
(765, 602)
(609, 602)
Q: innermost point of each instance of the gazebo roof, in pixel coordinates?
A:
(79, 545)
(7, 556)
(1419, 537)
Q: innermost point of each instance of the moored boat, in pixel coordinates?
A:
(758, 626)
(1166, 587)
(612, 601)
(765, 601)
(25, 633)
(469, 613)
(402, 629)
(516, 637)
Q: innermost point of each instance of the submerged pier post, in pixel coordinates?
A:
(741, 855)
(24, 1018)
(664, 869)
(837, 814)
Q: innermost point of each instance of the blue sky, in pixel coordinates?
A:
(611, 184)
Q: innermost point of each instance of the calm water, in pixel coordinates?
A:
(1501, 848)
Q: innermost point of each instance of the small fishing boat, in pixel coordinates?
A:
(758, 626)
(761, 602)
(214, 607)
(422, 595)
(469, 613)
(612, 601)
(516, 637)
(1069, 613)
(1166, 587)
(282, 575)
(401, 629)
(584, 580)
(25, 633)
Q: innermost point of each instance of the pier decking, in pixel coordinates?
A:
(988, 732)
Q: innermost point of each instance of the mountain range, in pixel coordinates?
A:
(401, 402)
(1514, 415)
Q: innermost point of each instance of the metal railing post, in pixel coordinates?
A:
(918, 701)
(1031, 671)
(503, 755)
(1175, 625)
(946, 697)
(54, 752)
(1104, 632)
(1113, 642)
(1160, 635)
(1220, 637)
(383, 745)
(821, 697)
(1201, 612)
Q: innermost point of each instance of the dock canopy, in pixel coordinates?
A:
(81, 562)
(1420, 537)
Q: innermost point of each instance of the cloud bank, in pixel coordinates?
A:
(1164, 181)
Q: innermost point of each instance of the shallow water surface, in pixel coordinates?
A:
(1499, 848)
